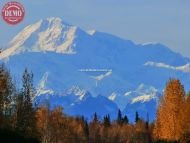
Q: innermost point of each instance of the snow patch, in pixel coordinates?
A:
(91, 32)
(143, 98)
(81, 93)
(127, 93)
(102, 76)
(41, 89)
(150, 43)
(17, 42)
(184, 68)
(113, 96)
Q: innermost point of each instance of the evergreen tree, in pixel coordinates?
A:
(26, 121)
(94, 130)
(95, 118)
(147, 121)
(20, 114)
(119, 117)
(106, 121)
(137, 117)
(125, 120)
(86, 130)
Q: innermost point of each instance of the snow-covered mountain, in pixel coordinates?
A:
(79, 102)
(46, 35)
(147, 97)
(141, 94)
(144, 99)
(62, 56)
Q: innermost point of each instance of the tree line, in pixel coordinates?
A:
(22, 120)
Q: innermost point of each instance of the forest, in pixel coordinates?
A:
(23, 121)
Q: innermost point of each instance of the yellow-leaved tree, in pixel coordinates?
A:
(185, 137)
(169, 121)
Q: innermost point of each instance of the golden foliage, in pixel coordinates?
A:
(169, 123)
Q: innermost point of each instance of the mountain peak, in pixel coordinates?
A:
(77, 91)
(51, 34)
(57, 20)
(53, 19)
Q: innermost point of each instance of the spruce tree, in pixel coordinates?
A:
(125, 120)
(95, 118)
(137, 117)
(86, 130)
(20, 113)
(106, 121)
(119, 117)
(26, 121)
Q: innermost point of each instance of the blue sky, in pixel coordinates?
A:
(164, 21)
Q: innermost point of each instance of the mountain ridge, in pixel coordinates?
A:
(61, 50)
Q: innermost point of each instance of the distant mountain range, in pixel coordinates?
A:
(91, 71)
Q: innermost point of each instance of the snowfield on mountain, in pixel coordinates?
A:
(133, 78)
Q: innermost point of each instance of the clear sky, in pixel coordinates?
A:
(164, 21)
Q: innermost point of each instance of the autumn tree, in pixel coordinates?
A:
(169, 124)
(185, 137)
(82, 122)
(59, 127)
(7, 90)
(86, 130)
(43, 122)
(94, 130)
(105, 129)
